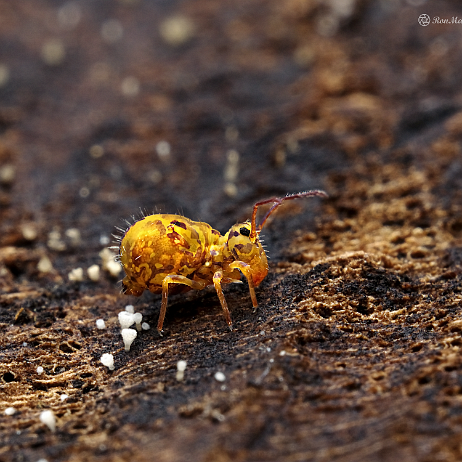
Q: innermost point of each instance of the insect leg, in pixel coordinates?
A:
(245, 269)
(217, 277)
(174, 279)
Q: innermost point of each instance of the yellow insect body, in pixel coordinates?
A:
(163, 249)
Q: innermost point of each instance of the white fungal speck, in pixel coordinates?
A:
(53, 52)
(181, 367)
(130, 308)
(108, 262)
(108, 360)
(130, 86)
(93, 273)
(84, 192)
(125, 319)
(113, 268)
(73, 234)
(100, 324)
(138, 317)
(49, 419)
(145, 326)
(76, 274)
(4, 76)
(39, 370)
(7, 174)
(29, 232)
(55, 242)
(232, 166)
(177, 30)
(219, 377)
(282, 353)
(10, 410)
(163, 149)
(44, 265)
(128, 336)
(63, 397)
(154, 176)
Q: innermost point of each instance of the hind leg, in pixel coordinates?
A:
(174, 279)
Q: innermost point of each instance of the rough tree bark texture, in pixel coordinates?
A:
(354, 351)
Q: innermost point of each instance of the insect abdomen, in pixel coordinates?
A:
(161, 245)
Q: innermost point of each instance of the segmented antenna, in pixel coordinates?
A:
(277, 201)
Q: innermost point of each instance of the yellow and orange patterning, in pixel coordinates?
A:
(167, 249)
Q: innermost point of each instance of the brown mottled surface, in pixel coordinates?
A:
(354, 351)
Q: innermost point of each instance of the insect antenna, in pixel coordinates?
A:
(277, 201)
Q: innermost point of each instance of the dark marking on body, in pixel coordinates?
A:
(194, 234)
(179, 224)
(174, 236)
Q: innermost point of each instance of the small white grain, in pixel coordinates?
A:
(49, 419)
(181, 367)
(128, 336)
(74, 236)
(138, 317)
(163, 149)
(76, 274)
(44, 265)
(93, 273)
(126, 319)
(220, 377)
(108, 360)
(100, 324)
(10, 410)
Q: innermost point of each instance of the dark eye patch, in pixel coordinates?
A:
(245, 231)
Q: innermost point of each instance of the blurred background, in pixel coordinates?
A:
(204, 107)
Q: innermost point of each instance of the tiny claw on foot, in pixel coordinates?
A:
(160, 332)
(230, 327)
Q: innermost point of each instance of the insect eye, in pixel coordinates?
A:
(245, 231)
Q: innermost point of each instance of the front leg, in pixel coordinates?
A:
(174, 279)
(245, 269)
